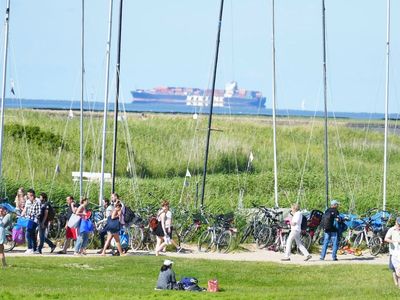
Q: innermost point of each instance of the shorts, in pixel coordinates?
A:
(391, 267)
(159, 230)
(71, 233)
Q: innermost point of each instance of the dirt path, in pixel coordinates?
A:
(250, 254)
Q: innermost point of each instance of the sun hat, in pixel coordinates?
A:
(334, 202)
(168, 262)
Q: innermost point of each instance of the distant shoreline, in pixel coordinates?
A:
(64, 105)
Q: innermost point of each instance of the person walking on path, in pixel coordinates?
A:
(108, 208)
(113, 227)
(330, 231)
(43, 224)
(5, 220)
(83, 237)
(161, 230)
(70, 233)
(169, 228)
(33, 213)
(295, 231)
(393, 238)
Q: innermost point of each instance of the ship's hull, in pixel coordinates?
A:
(162, 99)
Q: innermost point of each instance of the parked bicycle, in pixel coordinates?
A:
(219, 236)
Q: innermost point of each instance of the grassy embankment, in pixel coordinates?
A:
(134, 277)
(164, 145)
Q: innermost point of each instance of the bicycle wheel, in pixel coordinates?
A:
(264, 237)
(306, 240)
(359, 240)
(188, 234)
(224, 241)
(205, 241)
(149, 239)
(54, 229)
(136, 237)
(375, 244)
(176, 237)
(248, 230)
(9, 244)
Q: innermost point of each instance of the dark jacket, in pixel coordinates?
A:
(334, 215)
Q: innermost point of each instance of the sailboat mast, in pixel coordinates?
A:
(81, 104)
(386, 106)
(211, 102)
(3, 92)
(103, 149)
(325, 105)
(274, 107)
(114, 160)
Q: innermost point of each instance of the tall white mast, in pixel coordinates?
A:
(81, 102)
(3, 92)
(103, 149)
(274, 107)
(386, 105)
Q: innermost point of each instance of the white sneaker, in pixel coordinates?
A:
(29, 251)
(37, 252)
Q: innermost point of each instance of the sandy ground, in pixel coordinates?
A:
(249, 254)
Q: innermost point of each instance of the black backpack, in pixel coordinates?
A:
(304, 222)
(129, 215)
(51, 213)
(327, 221)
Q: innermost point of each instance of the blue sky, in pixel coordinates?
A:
(173, 42)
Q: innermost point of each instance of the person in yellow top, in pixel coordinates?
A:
(393, 238)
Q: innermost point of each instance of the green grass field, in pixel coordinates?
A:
(134, 277)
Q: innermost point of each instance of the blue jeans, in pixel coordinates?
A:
(81, 241)
(43, 239)
(330, 236)
(31, 237)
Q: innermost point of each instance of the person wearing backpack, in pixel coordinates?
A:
(44, 218)
(330, 230)
(295, 231)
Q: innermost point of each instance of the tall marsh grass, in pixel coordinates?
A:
(164, 146)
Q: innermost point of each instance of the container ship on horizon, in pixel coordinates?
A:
(231, 96)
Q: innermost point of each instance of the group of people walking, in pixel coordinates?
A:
(38, 212)
(331, 224)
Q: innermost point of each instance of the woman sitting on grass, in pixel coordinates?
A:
(166, 277)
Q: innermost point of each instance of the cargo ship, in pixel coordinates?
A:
(231, 96)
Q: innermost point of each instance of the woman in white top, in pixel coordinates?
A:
(295, 231)
(168, 229)
(393, 238)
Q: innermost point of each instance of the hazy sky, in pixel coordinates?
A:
(172, 42)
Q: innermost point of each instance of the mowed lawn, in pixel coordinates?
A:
(134, 277)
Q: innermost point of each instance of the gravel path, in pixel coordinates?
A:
(249, 254)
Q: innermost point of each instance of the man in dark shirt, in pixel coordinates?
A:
(331, 233)
(43, 224)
